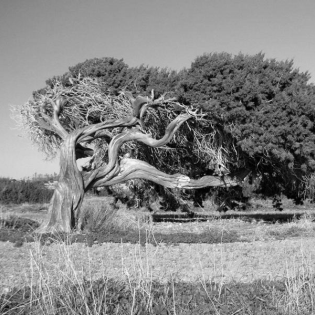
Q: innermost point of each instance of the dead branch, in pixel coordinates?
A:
(136, 169)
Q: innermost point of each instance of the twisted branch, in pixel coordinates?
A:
(136, 169)
(105, 174)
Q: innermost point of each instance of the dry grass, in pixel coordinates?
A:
(62, 287)
(99, 214)
(300, 287)
(35, 212)
(62, 284)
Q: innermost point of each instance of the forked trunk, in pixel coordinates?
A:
(63, 212)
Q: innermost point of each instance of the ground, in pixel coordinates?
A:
(218, 251)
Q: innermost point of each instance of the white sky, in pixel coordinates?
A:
(42, 38)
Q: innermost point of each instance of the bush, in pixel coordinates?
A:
(17, 192)
(98, 216)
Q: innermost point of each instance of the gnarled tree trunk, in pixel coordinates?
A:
(63, 212)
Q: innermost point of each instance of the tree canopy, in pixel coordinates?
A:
(234, 112)
(266, 107)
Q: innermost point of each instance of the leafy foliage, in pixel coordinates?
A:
(266, 110)
(115, 75)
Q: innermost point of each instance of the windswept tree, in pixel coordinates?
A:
(234, 113)
(259, 114)
(87, 124)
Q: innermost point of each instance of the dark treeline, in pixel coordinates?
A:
(20, 191)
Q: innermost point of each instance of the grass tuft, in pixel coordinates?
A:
(97, 216)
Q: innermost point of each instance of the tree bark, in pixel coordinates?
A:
(133, 169)
(63, 213)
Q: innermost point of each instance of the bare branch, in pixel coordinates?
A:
(92, 130)
(141, 103)
(138, 103)
(55, 122)
(133, 169)
(52, 123)
(114, 146)
(43, 123)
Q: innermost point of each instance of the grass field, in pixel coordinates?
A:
(123, 263)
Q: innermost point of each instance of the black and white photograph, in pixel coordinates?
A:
(157, 157)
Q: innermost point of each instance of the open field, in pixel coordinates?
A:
(230, 263)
